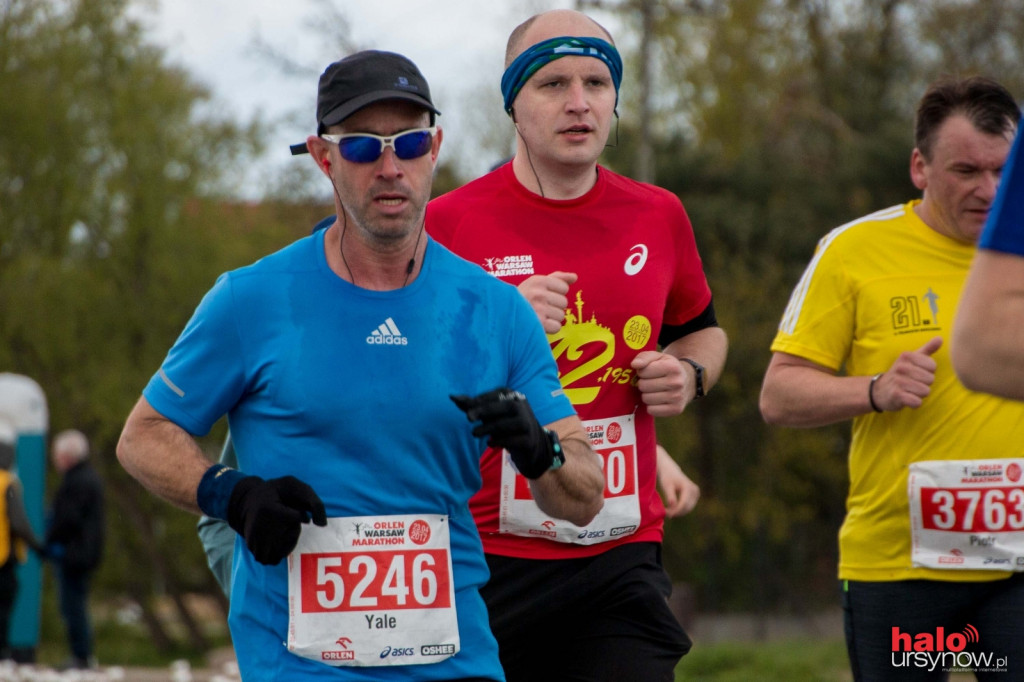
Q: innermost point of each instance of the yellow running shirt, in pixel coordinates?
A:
(876, 287)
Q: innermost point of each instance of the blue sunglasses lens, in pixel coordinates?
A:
(366, 149)
(412, 145)
(360, 149)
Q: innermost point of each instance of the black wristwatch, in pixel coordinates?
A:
(699, 369)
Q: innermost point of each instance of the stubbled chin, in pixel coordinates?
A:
(973, 230)
(583, 152)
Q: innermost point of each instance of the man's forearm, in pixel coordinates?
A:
(805, 397)
(575, 491)
(163, 457)
(988, 332)
(708, 347)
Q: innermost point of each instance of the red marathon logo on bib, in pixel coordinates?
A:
(419, 532)
(614, 433)
(955, 557)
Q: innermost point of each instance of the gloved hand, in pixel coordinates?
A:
(506, 418)
(269, 514)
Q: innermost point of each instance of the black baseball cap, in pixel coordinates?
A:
(369, 76)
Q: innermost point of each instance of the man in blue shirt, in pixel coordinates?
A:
(347, 364)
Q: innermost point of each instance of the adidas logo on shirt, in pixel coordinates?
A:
(387, 334)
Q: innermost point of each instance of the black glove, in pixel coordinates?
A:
(506, 418)
(268, 514)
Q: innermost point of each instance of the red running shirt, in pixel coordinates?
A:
(633, 248)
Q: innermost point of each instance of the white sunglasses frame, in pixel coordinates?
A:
(385, 141)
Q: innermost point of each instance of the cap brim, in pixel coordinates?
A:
(339, 114)
(353, 105)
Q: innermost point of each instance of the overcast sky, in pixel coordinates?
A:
(458, 44)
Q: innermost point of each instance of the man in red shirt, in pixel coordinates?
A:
(611, 267)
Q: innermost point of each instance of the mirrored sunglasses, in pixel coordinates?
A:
(367, 148)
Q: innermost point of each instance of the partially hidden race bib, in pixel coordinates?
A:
(373, 591)
(614, 440)
(967, 514)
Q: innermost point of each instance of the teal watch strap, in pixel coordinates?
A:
(556, 447)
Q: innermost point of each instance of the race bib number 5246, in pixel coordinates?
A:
(347, 581)
(373, 591)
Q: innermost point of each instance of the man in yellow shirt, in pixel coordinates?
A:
(935, 512)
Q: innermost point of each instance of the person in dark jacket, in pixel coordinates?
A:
(74, 539)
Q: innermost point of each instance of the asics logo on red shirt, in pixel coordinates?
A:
(637, 259)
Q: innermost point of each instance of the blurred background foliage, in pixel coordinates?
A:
(773, 120)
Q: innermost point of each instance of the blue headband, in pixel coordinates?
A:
(545, 52)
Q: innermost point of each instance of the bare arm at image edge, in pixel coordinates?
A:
(987, 346)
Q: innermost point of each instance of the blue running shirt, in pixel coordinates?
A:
(347, 389)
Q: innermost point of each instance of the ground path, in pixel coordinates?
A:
(224, 670)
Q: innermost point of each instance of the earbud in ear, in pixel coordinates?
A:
(327, 165)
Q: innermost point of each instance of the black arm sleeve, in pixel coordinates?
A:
(705, 319)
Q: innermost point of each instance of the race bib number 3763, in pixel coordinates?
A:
(373, 591)
(968, 514)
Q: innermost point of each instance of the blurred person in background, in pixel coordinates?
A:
(75, 538)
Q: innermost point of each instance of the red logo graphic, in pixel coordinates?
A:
(419, 532)
(937, 641)
(614, 432)
(1013, 472)
(548, 524)
(343, 642)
